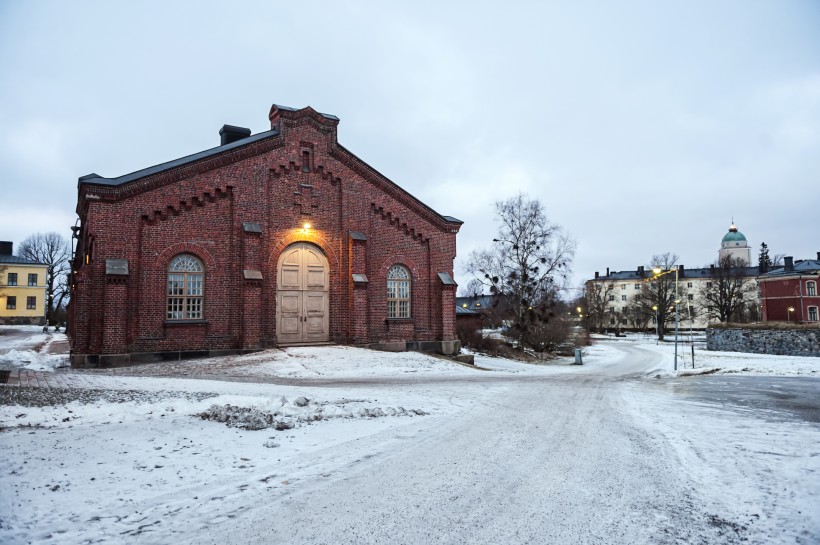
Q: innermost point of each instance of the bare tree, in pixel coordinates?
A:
(659, 292)
(639, 313)
(473, 288)
(529, 261)
(53, 250)
(616, 320)
(728, 290)
(596, 300)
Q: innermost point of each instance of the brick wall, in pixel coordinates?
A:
(200, 209)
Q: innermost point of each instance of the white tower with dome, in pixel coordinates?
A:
(734, 245)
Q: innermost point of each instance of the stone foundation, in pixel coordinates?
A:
(792, 342)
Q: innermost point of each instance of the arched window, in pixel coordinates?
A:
(398, 292)
(185, 288)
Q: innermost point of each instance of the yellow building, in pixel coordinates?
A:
(22, 288)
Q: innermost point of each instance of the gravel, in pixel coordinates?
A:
(46, 397)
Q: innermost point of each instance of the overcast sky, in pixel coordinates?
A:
(643, 127)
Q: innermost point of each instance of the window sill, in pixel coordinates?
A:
(185, 322)
(399, 320)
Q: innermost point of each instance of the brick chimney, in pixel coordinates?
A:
(788, 263)
(6, 247)
(680, 271)
(596, 275)
(229, 134)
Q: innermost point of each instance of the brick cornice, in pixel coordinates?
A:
(177, 208)
(399, 223)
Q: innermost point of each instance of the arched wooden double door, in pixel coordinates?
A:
(302, 302)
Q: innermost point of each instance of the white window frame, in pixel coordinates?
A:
(185, 289)
(399, 285)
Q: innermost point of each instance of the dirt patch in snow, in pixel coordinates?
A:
(289, 415)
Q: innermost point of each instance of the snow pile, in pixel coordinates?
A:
(727, 363)
(36, 361)
(285, 415)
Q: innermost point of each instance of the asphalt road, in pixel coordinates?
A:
(559, 459)
(778, 398)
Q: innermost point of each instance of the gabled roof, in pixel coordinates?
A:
(96, 179)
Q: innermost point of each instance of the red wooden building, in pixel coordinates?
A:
(790, 293)
(282, 237)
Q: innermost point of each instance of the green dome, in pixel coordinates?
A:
(733, 235)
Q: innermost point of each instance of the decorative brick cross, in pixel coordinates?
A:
(306, 198)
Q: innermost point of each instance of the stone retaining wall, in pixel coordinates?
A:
(795, 342)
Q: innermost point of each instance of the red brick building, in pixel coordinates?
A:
(790, 293)
(283, 237)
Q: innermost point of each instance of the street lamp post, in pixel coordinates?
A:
(657, 335)
(788, 313)
(659, 272)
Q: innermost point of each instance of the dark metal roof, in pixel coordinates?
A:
(800, 267)
(16, 260)
(446, 279)
(478, 302)
(701, 272)
(466, 311)
(451, 219)
(95, 179)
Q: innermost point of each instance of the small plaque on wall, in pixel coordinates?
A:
(116, 266)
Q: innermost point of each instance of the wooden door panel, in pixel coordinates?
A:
(290, 316)
(302, 295)
(290, 270)
(315, 278)
(290, 279)
(316, 324)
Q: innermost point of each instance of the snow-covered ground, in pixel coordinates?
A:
(707, 361)
(404, 448)
(331, 362)
(28, 347)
